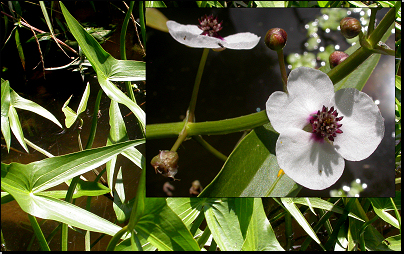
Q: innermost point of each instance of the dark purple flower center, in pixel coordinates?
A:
(325, 123)
(210, 26)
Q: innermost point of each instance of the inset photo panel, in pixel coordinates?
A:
(269, 102)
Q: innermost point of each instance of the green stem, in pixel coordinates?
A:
(281, 60)
(288, 231)
(372, 19)
(38, 233)
(123, 46)
(210, 148)
(382, 28)
(142, 22)
(170, 130)
(349, 65)
(273, 185)
(192, 104)
(115, 239)
(191, 109)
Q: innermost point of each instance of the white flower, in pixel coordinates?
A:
(206, 35)
(319, 128)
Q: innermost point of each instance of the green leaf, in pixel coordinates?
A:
(260, 235)
(223, 221)
(251, 170)
(398, 82)
(381, 207)
(270, 3)
(19, 48)
(5, 106)
(107, 67)
(21, 103)
(163, 228)
(295, 212)
(155, 19)
(15, 126)
(26, 183)
(393, 242)
(323, 204)
(83, 188)
(72, 116)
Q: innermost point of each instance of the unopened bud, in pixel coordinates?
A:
(350, 27)
(166, 163)
(276, 38)
(337, 57)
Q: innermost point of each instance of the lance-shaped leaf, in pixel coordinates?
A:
(71, 116)
(5, 106)
(107, 67)
(25, 182)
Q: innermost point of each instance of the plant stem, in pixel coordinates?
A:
(210, 148)
(38, 233)
(191, 109)
(142, 22)
(372, 19)
(192, 104)
(170, 130)
(382, 28)
(281, 60)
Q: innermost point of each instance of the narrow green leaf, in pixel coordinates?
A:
(398, 82)
(295, 212)
(19, 47)
(15, 126)
(323, 204)
(106, 66)
(382, 211)
(5, 106)
(21, 103)
(70, 115)
(260, 235)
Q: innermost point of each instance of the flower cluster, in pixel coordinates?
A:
(319, 128)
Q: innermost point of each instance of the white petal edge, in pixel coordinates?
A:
(241, 41)
(362, 125)
(189, 35)
(311, 164)
(310, 83)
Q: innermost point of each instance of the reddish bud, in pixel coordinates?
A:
(276, 38)
(350, 27)
(337, 57)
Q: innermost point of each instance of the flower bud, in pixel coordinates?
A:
(276, 38)
(350, 27)
(337, 57)
(166, 163)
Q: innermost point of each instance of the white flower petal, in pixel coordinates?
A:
(241, 41)
(308, 91)
(312, 164)
(312, 84)
(362, 125)
(189, 35)
(283, 112)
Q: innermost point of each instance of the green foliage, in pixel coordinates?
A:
(173, 224)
